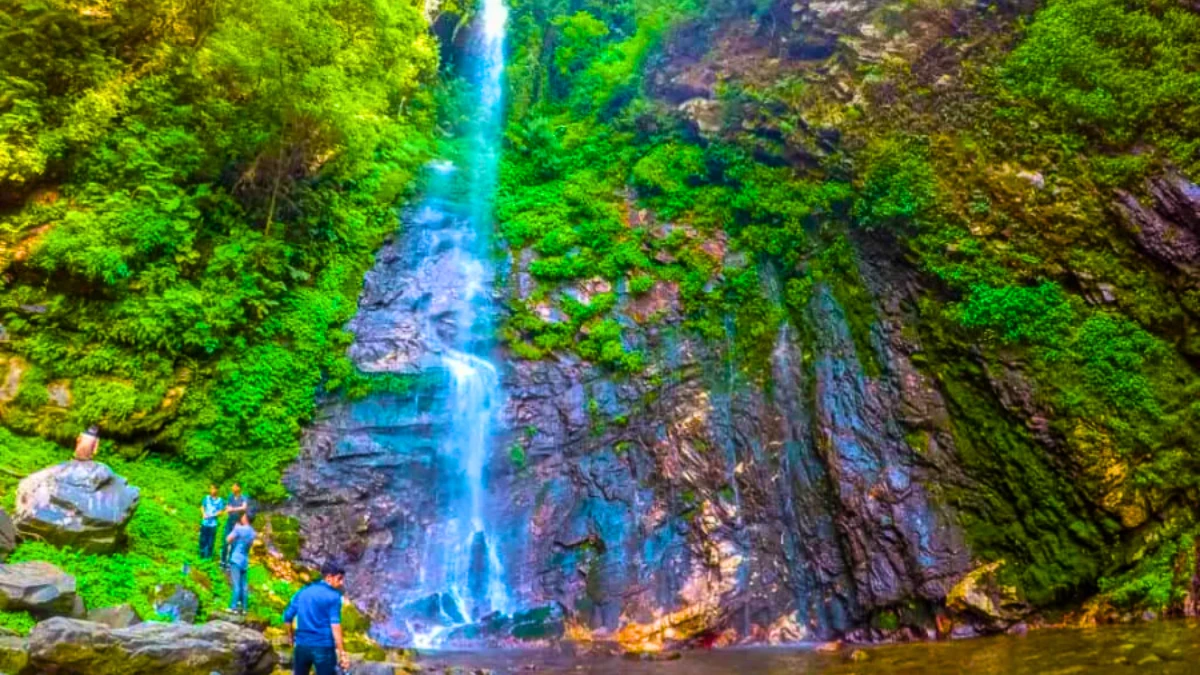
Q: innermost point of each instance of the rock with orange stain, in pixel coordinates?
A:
(981, 596)
(829, 647)
(662, 298)
(944, 625)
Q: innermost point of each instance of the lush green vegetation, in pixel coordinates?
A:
(162, 551)
(190, 193)
(1117, 72)
(193, 191)
(992, 177)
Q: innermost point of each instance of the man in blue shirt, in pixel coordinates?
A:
(317, 612)
(240, 541)
(239, 503)
(210, 509)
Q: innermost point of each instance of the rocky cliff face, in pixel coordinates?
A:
(687, 502)
(927, 469)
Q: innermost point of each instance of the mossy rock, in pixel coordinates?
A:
(285, 535)
(357, 629)
(14, 654)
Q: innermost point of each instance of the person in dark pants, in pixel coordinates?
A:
(240, 541)
(317, 636)
(210, 509)
(237, 504)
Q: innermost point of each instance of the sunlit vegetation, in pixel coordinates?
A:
(192, 192)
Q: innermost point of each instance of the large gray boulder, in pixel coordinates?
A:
(79, 504)
(70, 647)
(8, 535)
(38, 588)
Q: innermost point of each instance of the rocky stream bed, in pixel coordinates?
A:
(1162, 647)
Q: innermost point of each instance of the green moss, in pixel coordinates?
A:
(1020, 508)
(516, 455)
(885, 621)
(1159, 581)
(1038, 315)
(1120, 72)
(898, 183)
(285, 535)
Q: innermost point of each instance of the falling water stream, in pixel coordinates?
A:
(462, 566)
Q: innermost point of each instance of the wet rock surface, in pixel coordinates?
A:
(1167, 225)
(374, 484)
(84, 505)
(542, 624)
(982, 596)
(178, 604)
(71, 647)
(686, 505)
(38, 588)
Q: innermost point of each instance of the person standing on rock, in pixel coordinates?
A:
(236, 505)
(210, 509)
(240, 540)
(86, 444)
(317, 613)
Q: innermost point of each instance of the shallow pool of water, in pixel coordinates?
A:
(1159, 647)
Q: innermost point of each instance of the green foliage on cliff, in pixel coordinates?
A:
(1036, 315)
(898, 183)
(1159, 581)
(987, 164)
(192, 193)
(1118, 72)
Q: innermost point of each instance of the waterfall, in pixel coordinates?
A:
(462, 568)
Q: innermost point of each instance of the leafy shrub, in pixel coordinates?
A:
(581, 36)
(898, 183)
(1120, 69)
(1115, 353)
(1030, 314)
(215, 187)
(18, 622)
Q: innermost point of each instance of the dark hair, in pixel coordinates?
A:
(93, 430)
(248, 516)
(332, 568)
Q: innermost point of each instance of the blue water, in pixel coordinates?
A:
(461, 565)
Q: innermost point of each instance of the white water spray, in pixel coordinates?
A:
(462, 578)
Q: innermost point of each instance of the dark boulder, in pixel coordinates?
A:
(1167, 227)
(38, 588)
(121, 616)
(70, 647)
(534, 625)
(180, 606)
(79, 504)
(8, 535)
